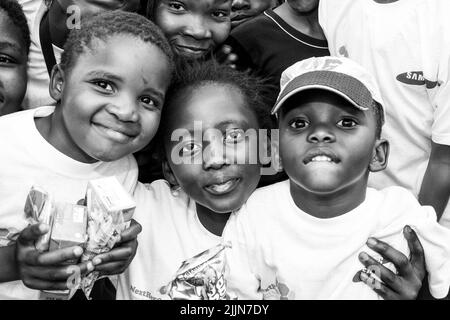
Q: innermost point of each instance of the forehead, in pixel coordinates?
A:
(212, 104)
(104, 4)
(10, 35)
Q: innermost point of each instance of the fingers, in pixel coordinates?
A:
(118, 254)
(374, 267)
(417, 253)
(56, 257)
(381, 289)
(132, 232)
(32, 233)
(112, 268)
(39, 284)
(400, 261)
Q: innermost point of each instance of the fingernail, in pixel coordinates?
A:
(407, 229)
(371, 242)
(363, 276)
(90, 266)
(78, 251)
(96, 261)
(43, 227)
(363, 256)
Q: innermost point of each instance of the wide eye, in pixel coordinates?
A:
(234, 136)
(105, 85)
(176, 6)
(298, 123)
(347, 123)
(189, 149)
(149, 102)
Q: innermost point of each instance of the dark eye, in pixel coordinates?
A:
(220, 14)
(176, 6)
(6, 60)
(105, 85)
(298, 123)
(149, 102)
(189, 149)
(234, 136)
(347, 123)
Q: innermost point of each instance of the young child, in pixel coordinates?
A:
(110, 87)
(14, 48)
(245, 10)
(50, 22)
(304, 235)
(207, 163)
(278, 38)
(211, 176)
(193, 27)
(404, 44)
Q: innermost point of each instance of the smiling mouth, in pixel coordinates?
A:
(191, 50)
(112, 134)
(223, 187)
(321, 157)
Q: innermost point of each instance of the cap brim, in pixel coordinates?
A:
(349, 88)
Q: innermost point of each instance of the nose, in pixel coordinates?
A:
(124, 109)
(197, 28)
(321, 134)
(214, 156)
(238, 5)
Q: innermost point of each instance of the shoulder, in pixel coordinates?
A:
(268, 197)
(248, 29)
(16, 121)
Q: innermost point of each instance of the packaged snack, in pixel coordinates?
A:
(39, 207)
(110, 208)
(201, 277)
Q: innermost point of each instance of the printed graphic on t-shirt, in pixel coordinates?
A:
(143, 293)
(278, 291)
(416, 78)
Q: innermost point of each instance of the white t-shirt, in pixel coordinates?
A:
(405, 45)
(172, 233)
(298, 256)
(27, 159)
(38, 78)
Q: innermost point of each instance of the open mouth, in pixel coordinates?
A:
(224, 187)
(321, 156)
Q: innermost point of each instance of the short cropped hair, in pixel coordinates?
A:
(192, 75)
(18, 19)
(107, 24)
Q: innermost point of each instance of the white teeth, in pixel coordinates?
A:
(321, 159)
(222, 187)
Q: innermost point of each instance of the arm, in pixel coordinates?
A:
(435, 190)
(404, 285)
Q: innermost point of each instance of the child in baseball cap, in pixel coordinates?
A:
(306, 234)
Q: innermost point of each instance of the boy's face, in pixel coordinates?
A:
(243, 10)
(194, 27)
(89, 7)
(219, 175)
(326, 144)
(13, 66)
(111, 99)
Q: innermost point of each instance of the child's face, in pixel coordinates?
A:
(220, 176)
(13, 66)
(243, 10)
(89, 7)
(194, 27)
(111, 99)
(326, 144)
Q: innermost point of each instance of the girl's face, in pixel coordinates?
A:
(194, 27)
(111, 99)
(210, 153)
(13, 66)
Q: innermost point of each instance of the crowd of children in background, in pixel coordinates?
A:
(357, 93)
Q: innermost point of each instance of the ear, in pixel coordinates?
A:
(57, 79)
(380, 156)
(168, 174)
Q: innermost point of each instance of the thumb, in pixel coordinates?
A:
(32, 233)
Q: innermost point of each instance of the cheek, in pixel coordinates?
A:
(150, 123)
(220, 32)
(170, 24)
(15, 84)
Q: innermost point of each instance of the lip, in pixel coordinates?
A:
(191, 50)
(321, 152)
(223, 186)
(237, 20)
(116, 134)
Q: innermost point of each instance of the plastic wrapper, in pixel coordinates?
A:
(40, 208)
(110, 208)
(201, 277)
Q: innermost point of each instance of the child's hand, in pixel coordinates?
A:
(44, 270)
(404, 285)
(225, 55)
(120, 257)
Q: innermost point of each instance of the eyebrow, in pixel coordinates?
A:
(10, 45)
(242, 124)
(103, 74)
